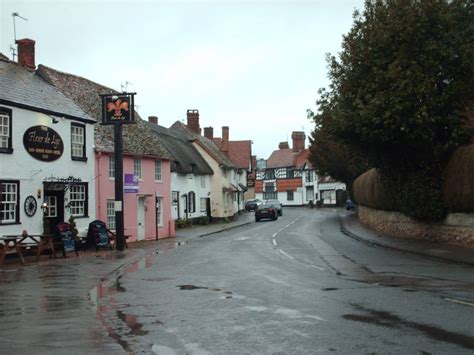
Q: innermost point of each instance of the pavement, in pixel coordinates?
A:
(351, 226)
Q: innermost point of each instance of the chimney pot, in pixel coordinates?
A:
(153, 119)
(26, 53)
(283, 145)
(193, 121)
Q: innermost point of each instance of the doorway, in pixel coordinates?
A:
(54, 211)
(141, 217)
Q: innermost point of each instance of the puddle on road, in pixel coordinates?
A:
(105, 305)
(132, 323)
(329, 289)
(389, 320)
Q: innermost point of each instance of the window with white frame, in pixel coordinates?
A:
(203, 204)
(111, 167)
(174, 197)
(111, 214)
(78, 146)
(51, 209)
(9, 202)
(78, 200)
(191, 202)
(6, 130)
(290, 195)
(159, 212)
(203, 181)
(137, 167)
(157, 170)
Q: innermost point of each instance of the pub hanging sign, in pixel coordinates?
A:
(118, 108)
(43, 143)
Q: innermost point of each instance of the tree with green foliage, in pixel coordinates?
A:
(330, 156)
(400, 91)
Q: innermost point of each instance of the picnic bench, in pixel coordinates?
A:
(21, 242)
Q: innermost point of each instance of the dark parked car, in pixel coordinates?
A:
(265, 211)
(350, 206)
(277, 204)
(251, 205)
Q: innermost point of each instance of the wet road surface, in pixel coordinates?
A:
(297, 285)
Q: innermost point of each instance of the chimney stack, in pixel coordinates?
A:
(26, 53)
(193, 121)
(283, 145)
(153, 119)
(209, 132)
(225, 139)
(298, 141)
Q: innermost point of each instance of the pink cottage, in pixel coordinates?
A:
(146, 165)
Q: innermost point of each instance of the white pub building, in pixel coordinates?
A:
(47, 171)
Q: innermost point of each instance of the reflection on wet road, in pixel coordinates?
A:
(291, 287)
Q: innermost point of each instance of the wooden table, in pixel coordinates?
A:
(15, 243)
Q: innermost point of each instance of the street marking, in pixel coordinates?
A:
(274, 242)
(274, 235)
(285, 254)
(318, 267)
(460, 302)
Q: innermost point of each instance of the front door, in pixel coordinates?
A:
(141, 218)
(54, 210)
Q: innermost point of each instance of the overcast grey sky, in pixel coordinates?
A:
(254, 66)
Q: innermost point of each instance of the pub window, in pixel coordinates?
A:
(203, 181)
(78, 200)
(137, 167)
(111, 214)
(78, 142)
(191, 202)
(157, 170)
(159, 213)
(289, 195)
(290, 173)
(51, 209)
(9, 202)
(309, 175)
(111, 167)
(5, 130)
(272, 195)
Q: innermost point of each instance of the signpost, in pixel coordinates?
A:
(118, 109)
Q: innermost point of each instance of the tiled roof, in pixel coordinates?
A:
(138, 139)
(23, 88)
(240, 153)
(208, 145)
(302, 160)
(185, 158)
(287, 158)
(3, 57)
(281, 158)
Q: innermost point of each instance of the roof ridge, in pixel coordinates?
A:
(75, 76)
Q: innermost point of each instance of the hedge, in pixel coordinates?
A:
(458, 187)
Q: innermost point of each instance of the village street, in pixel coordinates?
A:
(294, 286)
